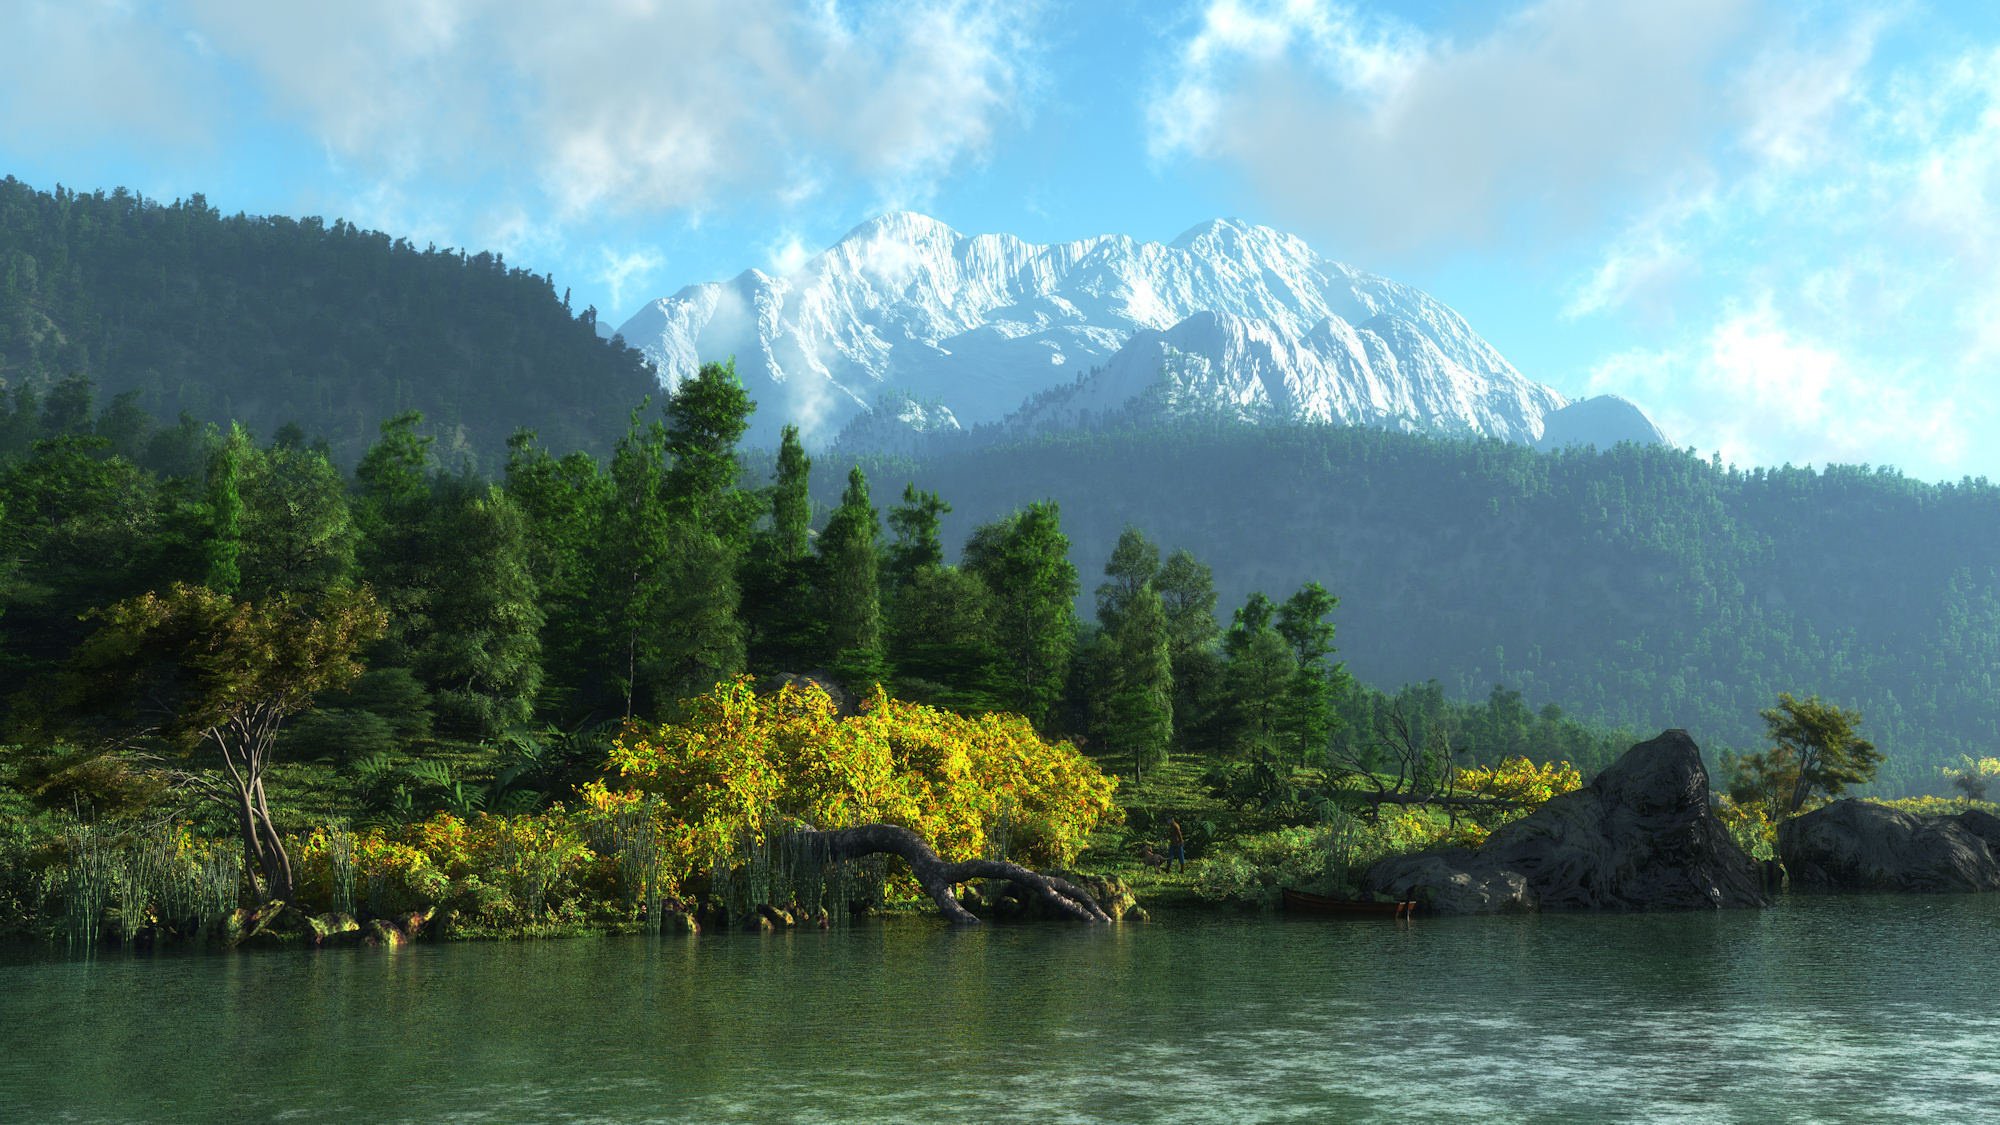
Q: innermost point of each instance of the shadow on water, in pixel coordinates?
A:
(1818, 1009)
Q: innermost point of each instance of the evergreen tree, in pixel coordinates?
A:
(781, 577)
(1309, 714)
(632, 564)
(851, 592)
(1187, 597)
(1142, 693)
(701, 634)
(940, 637)
(1024, 562)
(392, 509)
(566, 505)
(482, 656)
(1135, 561)
(919, 542)
(791, 500)
(224, 542)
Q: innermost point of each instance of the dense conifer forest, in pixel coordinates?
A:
(268, 320)
(1639, 587)
(1636, 588)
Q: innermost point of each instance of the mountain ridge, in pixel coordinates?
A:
(906, 308)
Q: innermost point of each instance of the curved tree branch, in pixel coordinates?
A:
(937, 876)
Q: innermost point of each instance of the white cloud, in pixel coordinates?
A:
(624, 106)
(69, 68)
(1859, 228)
(1380, 137)
(1762, 393)
(622, 268)
(1791, 93)
(784, 256)
(632, 106)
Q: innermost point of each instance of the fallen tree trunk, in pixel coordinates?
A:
(937, 877)
(1448, 802)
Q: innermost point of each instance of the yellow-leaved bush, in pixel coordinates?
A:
(1519, 779)
(742, 765)
(499, 872)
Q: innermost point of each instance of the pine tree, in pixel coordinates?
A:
(482, 656)
(851, 590)
(1134, 563)
(919, 543)
(224, 504)
(709, 517)
(784, 629)
(1024, 562)
(1309, 716)
(631, 565)
(1142, 695)
(566, 504)
(791, 500)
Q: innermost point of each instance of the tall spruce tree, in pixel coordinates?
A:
(1134, 563)
(1187, 596)
(1024, 562)
(392, 508)
(223, 546)
(919, 542)
(631, 569)
(1142, 691)
(702, 638)
(482, 655)
(791, 500)
(784, 630)
(851, 589)
(1309, 714)
(566, 504)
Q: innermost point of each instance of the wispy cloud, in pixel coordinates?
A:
(1383, 138)
(637, 107)
(601, 106)
(622, 268)
(1849, 266)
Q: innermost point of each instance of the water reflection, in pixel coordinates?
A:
(1822, 1010)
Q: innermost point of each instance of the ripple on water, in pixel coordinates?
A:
(1826, 1010)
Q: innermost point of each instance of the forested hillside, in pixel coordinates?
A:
(274, 320)
(1643, 587)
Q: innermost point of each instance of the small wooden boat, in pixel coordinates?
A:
(1300, 902)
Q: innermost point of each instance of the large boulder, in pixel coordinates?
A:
(1858, 846)
(1453, 882)
(1640, 836)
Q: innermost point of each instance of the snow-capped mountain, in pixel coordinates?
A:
(1229, 317)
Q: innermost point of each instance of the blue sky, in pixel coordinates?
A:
(1775, 226)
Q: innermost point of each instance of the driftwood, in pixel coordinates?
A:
(937, 877)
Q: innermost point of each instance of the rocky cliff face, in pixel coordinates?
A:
(1640, 836)
(1229, 319)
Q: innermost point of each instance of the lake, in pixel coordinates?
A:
(1820, 1009)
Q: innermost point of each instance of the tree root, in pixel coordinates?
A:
(937, 877)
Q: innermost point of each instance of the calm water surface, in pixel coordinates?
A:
(1859, 1010)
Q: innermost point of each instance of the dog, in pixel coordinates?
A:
(1151, 858)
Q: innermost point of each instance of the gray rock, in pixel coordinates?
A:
(1984, 825)
(1640, 836)
(1453, 882)
(1855, 845)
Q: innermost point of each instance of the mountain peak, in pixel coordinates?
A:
(1240, 319)
(902, 226)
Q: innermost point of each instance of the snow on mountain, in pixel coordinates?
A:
(1229, 317)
